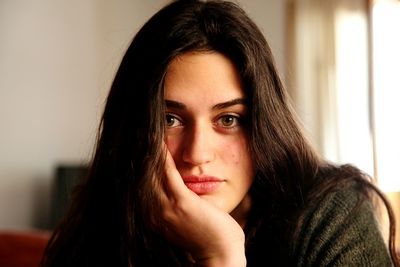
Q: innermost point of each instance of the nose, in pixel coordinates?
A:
(199, 148)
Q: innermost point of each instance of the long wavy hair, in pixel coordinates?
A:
(108, 221)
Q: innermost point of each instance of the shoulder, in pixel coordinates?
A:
(340, 230)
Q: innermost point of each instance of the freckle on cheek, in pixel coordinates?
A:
(235, 158)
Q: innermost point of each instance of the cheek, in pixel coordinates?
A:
(172, 144)
(236, 152)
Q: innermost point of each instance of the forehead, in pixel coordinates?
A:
(202, 74)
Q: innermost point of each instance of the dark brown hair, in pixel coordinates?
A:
(108, 222)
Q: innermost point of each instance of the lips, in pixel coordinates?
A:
(202, 185)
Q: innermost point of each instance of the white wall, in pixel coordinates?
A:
(57, 60)
(269, 15)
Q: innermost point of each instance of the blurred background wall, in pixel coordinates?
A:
(57, 61)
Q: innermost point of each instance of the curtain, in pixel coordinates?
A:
(327, 73)
(343, 75)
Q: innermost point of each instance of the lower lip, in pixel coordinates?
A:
(203, 188)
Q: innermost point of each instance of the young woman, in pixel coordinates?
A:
(200, 162)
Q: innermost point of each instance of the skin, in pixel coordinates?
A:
(205, 136)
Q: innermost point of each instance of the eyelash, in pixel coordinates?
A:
(235, 119)
(172, 116)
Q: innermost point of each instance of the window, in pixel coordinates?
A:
(386, 94)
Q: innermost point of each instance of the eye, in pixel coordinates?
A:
(228, 121)
(172, 121)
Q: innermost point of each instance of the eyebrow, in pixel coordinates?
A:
(227, 104)
(223, 105)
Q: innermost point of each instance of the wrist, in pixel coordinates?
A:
(226, 261)
(218, 263)
(233, 257)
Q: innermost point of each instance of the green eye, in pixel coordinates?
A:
(172, 121)
(228, 121)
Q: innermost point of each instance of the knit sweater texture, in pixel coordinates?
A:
(341, 230)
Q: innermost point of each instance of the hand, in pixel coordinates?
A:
(211, 236)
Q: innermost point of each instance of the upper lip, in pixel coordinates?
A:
(200, 179)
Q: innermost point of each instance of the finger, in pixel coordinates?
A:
(174, 182)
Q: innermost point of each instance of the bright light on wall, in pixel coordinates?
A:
(386, 45)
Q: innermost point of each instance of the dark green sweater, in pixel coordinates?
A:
(339, 232)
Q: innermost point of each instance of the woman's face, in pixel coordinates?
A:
(205, 129)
